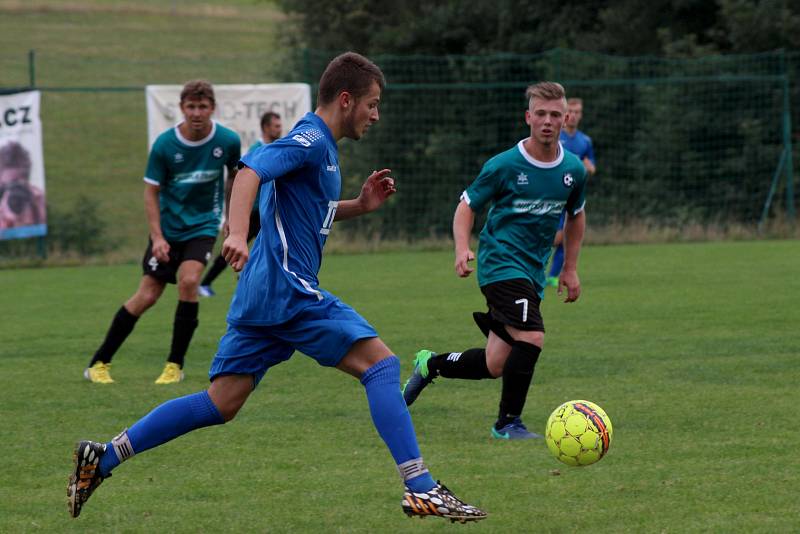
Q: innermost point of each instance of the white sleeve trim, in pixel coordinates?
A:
(580, 209)
(465, 197)
(151, 181)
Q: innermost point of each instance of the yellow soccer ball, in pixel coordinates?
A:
(578, 433)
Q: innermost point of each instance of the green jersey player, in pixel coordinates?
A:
(527, 188)
(184, 200)
(271, 130)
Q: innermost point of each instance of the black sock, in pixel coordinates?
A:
(517, 377)
(121, 326)
(213, 272)
(185, 323)
(470, 364)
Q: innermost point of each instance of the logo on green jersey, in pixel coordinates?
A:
(538, 207)
(196, 177)
(567, 179)
(217, 152)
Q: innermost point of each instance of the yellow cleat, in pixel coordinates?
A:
(171, 374)
(99, 373)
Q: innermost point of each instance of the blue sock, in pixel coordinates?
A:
(393, 422)
(166, 422)
(558, 261)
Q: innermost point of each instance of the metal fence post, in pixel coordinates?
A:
(787, 146)
(32, 68)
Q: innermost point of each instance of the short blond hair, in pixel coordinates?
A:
(575, 100)
(545, 91)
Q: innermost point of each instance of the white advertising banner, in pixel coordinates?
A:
(22, 196)
(238, 107)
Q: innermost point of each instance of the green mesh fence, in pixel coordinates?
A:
(678, 142)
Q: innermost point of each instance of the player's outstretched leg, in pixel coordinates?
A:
(420, 377)
(441, 502)
(393, 423)
(95, 461)
(85, 477)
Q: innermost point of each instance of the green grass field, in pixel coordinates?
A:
(691, 349)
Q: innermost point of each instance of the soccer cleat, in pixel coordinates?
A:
(420, 377)
(514, 430)
(205, 291)
(171, 374)
(552, 281)
(440, 502)
(98, 373)
(85, 478)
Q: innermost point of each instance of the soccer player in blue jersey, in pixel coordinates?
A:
(184, 198)
(526, 188)
(279, 307)
(271, 129)
(579, 144)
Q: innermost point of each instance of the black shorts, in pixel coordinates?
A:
(511, 302)
(197, 249)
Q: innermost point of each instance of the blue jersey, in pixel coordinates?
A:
(300, 188)
(579, 144)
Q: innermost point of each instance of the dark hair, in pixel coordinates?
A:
(349, 72)
(14, 156)
(198, 90)
(268, 117)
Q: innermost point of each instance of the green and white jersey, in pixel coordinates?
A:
(526, 197)
(191, 180)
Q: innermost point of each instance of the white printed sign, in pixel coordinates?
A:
(238, 107)
(22, 195)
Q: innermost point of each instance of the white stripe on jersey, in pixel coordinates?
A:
(285, 245)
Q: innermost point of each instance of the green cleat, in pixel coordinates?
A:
(419, 378)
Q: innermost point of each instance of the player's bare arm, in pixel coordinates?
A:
(574, 229)
(378, 187)
(243, 194)
(151, 209)
(463, 221)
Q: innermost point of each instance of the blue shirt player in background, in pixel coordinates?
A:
(579, 144)
(279, 307)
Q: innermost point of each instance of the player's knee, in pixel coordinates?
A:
(143, 300)
(188, 284)
(529, 336)
(495, 368)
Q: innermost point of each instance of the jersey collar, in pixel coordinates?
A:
(202, 141)
(541, 164)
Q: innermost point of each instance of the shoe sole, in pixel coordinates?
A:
(72, 486)
(451, 517)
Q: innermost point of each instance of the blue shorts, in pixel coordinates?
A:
(324, 331)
